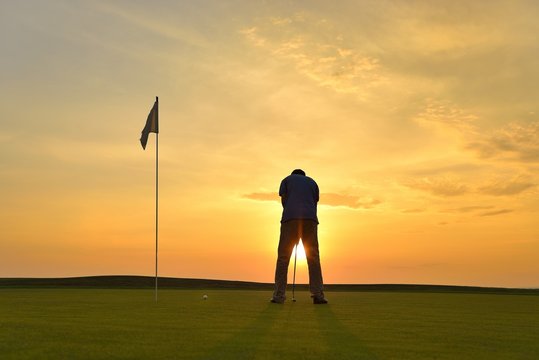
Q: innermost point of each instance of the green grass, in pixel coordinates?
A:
(241, 324)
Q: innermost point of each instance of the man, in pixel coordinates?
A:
(299, 197)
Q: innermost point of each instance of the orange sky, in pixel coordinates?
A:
(419, 122)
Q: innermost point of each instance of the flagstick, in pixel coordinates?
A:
(156, 194)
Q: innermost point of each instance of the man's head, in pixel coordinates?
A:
(298, 172)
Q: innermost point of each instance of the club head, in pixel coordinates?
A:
(293, 300)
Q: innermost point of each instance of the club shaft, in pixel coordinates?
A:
(294, 278)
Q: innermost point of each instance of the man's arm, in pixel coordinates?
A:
(283, 192)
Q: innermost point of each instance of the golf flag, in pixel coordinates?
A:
(152, 124)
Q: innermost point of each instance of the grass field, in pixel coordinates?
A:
(241, 324)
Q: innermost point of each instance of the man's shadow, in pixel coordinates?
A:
(248, 342)
(342, 343)
(245, 343)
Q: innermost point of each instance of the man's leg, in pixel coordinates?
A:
(310, 244)
(288, 238)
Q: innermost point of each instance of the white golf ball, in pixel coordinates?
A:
(205, 297)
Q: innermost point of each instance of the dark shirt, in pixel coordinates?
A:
(299, 195)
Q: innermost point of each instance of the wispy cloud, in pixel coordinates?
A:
(496, 212)
(328, 62)
(326, 199)
(441, 186)
(507, 187)
(262, 196)
(516, 141)
(350, 201)
(449, 186)
(447, 115)
(467, 209)
(412, 211)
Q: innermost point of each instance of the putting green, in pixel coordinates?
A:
(94, 323)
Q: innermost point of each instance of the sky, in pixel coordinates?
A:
(419, 121)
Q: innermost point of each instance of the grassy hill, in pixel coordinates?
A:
(138, 282)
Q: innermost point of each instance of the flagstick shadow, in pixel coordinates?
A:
(341, 342)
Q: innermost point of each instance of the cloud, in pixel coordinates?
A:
(327, 199)
(350, 201)
(412, 211)
(517, 141)
(496, 212)
(262, 196)
(446, 115)
(466, 209)
(448, 186)
(441, 186)
(251, 34)
(433, 168)
(511, 187)
(326, 60)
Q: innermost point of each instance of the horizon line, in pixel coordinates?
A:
(262, 283)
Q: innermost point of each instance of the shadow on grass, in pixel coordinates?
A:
(341, 342)
(245, 343)
(267, 330)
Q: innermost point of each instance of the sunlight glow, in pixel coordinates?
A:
(301, 252)
(427, 168)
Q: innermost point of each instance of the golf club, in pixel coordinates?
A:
(294, 278)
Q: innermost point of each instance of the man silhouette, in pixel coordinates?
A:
(299, 197)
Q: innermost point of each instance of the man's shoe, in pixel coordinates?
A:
(319, 300)
(276, 301)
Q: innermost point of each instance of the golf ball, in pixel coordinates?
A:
(205, 297)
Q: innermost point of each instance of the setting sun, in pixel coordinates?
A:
(301, 252)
